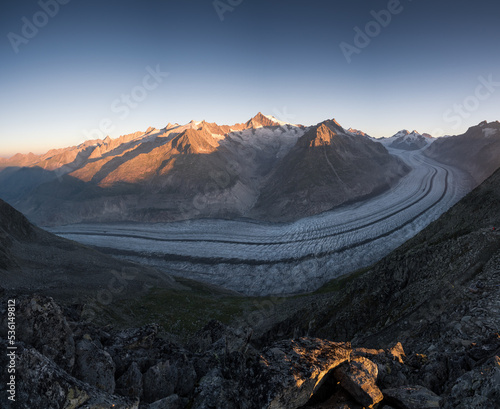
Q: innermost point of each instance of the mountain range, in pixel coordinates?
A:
(408, 140)
(264, 169)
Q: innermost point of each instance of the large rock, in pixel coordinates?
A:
(285, 375)
(95, 366)
(216, 392)
(391, 370)
(187, 378)
(42, 324)
(359, 378)
(412, 397)
(160, 381)
(291, 371)
(130, 383)
(171, 402)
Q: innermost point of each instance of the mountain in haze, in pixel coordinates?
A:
(327, 166)
(477, 151)
(264, 168)
(409, 141)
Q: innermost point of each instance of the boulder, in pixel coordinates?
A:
(159, 381)
(290, 372)
(216, 392)
(358, 377)
(187, 378)
(391, 370)
(412, 397)
(397, 352)
(140, 345)
(170, 402)
(42, 324)
(130, 383)
(94, 365)
(218, 338)
(340, 399)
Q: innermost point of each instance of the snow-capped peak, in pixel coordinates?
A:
(357, 132)
(274, 119)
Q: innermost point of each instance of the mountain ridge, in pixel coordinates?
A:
(199, 169)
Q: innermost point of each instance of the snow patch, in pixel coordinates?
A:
(488, 132)
(274, 119)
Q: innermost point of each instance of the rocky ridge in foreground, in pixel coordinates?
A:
(63, 362)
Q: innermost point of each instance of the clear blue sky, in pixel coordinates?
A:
(279, 57)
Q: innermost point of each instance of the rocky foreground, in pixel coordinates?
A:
(67, 363)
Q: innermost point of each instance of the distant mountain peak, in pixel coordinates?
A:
(413, 140)
(194, 141)
(261, 120)
(357, 132)
(402, 132)
(320, 135)
(334, 126)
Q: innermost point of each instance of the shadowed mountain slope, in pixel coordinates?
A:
(327, 167)
(477, 151)
(35, 260)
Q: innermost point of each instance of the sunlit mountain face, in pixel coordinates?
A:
(261, 169)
